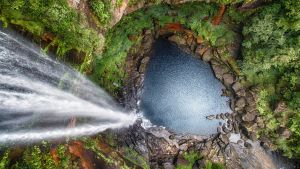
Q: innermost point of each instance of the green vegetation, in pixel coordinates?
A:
(103, 10)
(54, 16)
(34, 157)
(193, 157)
(92, 144)
(271, 52)
(109, 67)
(111, 157)
(135, 158)
(133, 2)
(119, 3)
(225, 2)
(63, 156)
(271, 59)
(210, 165)
(4, 161)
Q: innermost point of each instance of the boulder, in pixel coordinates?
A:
(145, 60)
(241, 93)
(210, 117)
(177, 39)
(183, 147)
(249, 108)
(214, 62)
(237, 87)
(236, 127)
(248, 117)
(219, 70)
(189, 40)
(250, 100)
(224, 138)
(260, 123)
(225, 93)
(225, 129)
(240, 103)
(142, 67)
(222, 116)
(168, 165)
(280, 107)
(228, 79)
(253, 136)
(207, 55)
(201, 49)
(229, 126)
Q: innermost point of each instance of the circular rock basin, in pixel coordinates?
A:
(180, 91)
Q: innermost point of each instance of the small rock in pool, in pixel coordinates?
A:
(227, 115)
(210, 117)
(222, 116)
(225, 129)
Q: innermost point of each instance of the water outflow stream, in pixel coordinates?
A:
(180, 91)
(40, 97)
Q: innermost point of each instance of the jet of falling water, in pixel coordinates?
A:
(39, 96)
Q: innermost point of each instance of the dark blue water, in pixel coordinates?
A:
(180, 91)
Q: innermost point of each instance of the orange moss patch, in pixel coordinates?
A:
(76, 148)
(174, 27)
(199, 40)
(48, 37)
(217, 19)
(54, 155)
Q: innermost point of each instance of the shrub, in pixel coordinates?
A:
(271, 62)
(102, 9)
(4, 160)
(55, 16)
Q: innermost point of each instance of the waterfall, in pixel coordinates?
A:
(40, 97)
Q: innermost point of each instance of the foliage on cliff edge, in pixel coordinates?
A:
(271, 61)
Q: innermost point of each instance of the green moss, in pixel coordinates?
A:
(133, 2)
(103, 10)
(192, 158)
(135, 158)
(4, 160)
(63, 156)
(210, 165)
(119, 3)
(91, 144)
(35, 157)
(55, 16)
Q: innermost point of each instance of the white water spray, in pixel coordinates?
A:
(39, 97)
